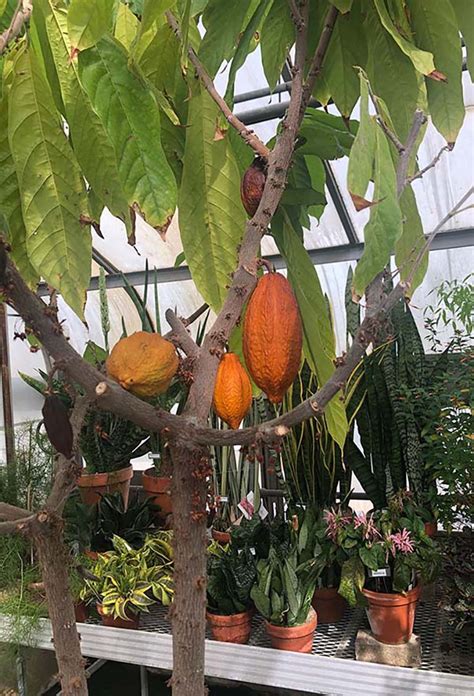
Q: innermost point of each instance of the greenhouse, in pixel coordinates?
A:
(236, 343)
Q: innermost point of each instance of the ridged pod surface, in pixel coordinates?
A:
(273, 336)
(143, 363)
(57, 425)
(232, 391)
(252, 185)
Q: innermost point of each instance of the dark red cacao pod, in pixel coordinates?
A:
(252, 185)
(57, 425)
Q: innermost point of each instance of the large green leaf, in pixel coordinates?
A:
(51, 185)
(89, 138)
(422, 60)
(211, 216)
(361, 158)
(224, 22)
(126, 26)
(385, 224)
(411, 242)
(318, 332)
(352, 579)
(129, 114)
(326, 135)
(87, 21)
(436, 29)
(278, 35)
(465, 16)
(391, 74)
(10, 202)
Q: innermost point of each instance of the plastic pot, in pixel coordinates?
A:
(329, 605)
(81, 611)
(391, 616)
(92, 486)
(231, 629)
(295, 638)
(220, 537)
(431, 528)
(159, 489)
(109, 620)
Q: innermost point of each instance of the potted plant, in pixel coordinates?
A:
(329, 605)
(388, 556)
(231, 573)
(284, 589)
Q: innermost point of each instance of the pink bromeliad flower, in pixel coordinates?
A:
(370, 531)
(401, 542)
(335, 521)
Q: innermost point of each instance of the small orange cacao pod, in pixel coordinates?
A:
(273, 336)
(232, 391)
(252, 185)
(57, 425)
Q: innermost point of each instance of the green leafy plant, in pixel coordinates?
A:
(230, 578)
(456, 580)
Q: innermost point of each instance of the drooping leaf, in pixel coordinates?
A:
(411, 242)
(326, 135)
(385, 224)
(38, 35)
(87, 21)
(318, 335)
(352, 579)
(391, 73)
(465, 18)
(422, 60)
(278, 35)
(52, 190)
(342, 5)
(129, 115)
(126, 26)
(223, 22)
(211, 216)
(89, 137)
(361, 157)
(435, 29)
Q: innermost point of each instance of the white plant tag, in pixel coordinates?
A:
(247, 507)
(380, 573)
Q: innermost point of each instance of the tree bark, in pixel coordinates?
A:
(191, 470)
(52, 553)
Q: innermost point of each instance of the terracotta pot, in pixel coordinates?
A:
(158, 488)
(295, 638)
(329, 605)
(431, 528)
(391, 616)
(220, 537)
(92, 486)
(230, 629)
(81, 611)
(109, 620)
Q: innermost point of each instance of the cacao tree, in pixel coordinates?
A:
(107, 104)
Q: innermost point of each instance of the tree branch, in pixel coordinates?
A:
(247, 135)
(180, 336)
(320, 54)
(434, 161)
(296, 14)
(12, 512)
(21, 15)
(405, 156)
(19, 526)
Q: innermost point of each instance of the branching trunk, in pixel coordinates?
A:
(190, 473)
(47, 534)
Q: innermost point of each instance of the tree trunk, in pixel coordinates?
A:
(47, 534)
(190, 474)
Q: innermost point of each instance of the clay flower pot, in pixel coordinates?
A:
(81, 611)
(220, 537)
(159, 489)
(295, 638)
(231, 629)
(431, 528)
(109, 620)
(391, 616)
(329, 605)
(92, 486)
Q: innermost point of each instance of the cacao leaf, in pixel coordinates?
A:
(211, 216)
(52, 189)
(361, 158)
(278, 36)
(129, 115)
(57, 425)
(326, 135)
(126, 26)
(87, 21)
(463, 12)
(342, 5)
(435, 29)
(411, 242)
(224, 23)
(385, 224)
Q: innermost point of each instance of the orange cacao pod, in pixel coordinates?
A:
(232, 391)
(252, 185)
(273, 336)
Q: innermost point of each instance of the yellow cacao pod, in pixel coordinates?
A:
(273, 336)
(232, 391)
(143, 363)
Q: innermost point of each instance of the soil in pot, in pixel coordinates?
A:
(81, 611)
(159, 489)
(92, 486)
(295, 638)
(220, 537)
(329, 605)
(109, 620)
(391, 616)
(231, 629)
